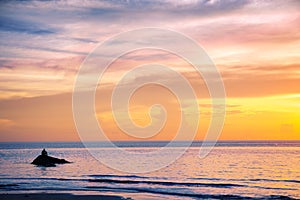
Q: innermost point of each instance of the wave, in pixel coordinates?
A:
(250, 180)
(156, 191)
(117, 176)
(192, 195)
(137, 180)
(163, 192)
(133, 179)
(275, 180)
(167, 183)
(135, 185)
(186, 184)
(8, 185)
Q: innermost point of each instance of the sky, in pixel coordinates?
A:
(254, 44)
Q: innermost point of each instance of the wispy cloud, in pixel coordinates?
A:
(17, 25)
(255, 45)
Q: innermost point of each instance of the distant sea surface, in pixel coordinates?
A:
(233, 169)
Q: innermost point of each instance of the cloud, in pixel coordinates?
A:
(6, 123)
(255, 45)
(245, 39)
(75, 24)
(27, 78)
(21, 26)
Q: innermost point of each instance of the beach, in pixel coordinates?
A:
(58, 196)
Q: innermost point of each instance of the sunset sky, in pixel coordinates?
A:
(254, 44)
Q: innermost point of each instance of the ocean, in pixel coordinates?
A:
(233, 169)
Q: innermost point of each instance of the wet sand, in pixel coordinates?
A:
(60, 196)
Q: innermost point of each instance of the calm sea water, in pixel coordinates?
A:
(233, 169)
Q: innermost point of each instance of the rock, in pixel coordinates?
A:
(48, 161)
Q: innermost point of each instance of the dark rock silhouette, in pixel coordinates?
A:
(48, 161)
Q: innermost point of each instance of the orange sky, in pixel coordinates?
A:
(255, 46)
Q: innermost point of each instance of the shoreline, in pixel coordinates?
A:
(60, 196)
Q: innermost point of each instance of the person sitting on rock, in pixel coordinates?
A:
(47, 161)
(44, 153)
